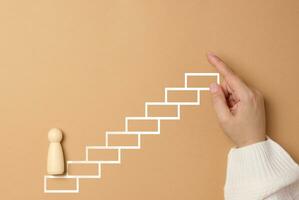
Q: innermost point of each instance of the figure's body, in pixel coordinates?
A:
(258, 168)
(55, 164)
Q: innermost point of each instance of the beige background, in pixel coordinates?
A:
(84, 65)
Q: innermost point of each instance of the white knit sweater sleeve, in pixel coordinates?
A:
(261, 171)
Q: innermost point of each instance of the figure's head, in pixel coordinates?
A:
(55, 135)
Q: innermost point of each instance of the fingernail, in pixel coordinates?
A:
(211, 53)
(214, 87)
(214, 56)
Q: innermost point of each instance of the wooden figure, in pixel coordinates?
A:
(55, 165)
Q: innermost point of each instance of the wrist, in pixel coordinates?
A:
(251, 142)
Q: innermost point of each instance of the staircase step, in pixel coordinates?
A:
(162, 110)
(103, 154)
(61, 184)
(201, 81)
(133, 132)
(123, 140)
(142, 124)
(182, 96)
(84, 169)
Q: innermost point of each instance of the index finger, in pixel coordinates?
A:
(233, 80)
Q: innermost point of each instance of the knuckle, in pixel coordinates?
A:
(254, 96)
(225, 121)
(259, 95)
(250, 96)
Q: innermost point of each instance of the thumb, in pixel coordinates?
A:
(219, 102)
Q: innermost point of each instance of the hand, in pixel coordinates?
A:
(240, 109)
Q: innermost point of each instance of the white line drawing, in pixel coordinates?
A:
(128, 132)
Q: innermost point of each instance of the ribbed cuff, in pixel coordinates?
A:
(258, 170)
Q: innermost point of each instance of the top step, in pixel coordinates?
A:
(201, 81)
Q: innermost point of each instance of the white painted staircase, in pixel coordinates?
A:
(116, 150)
